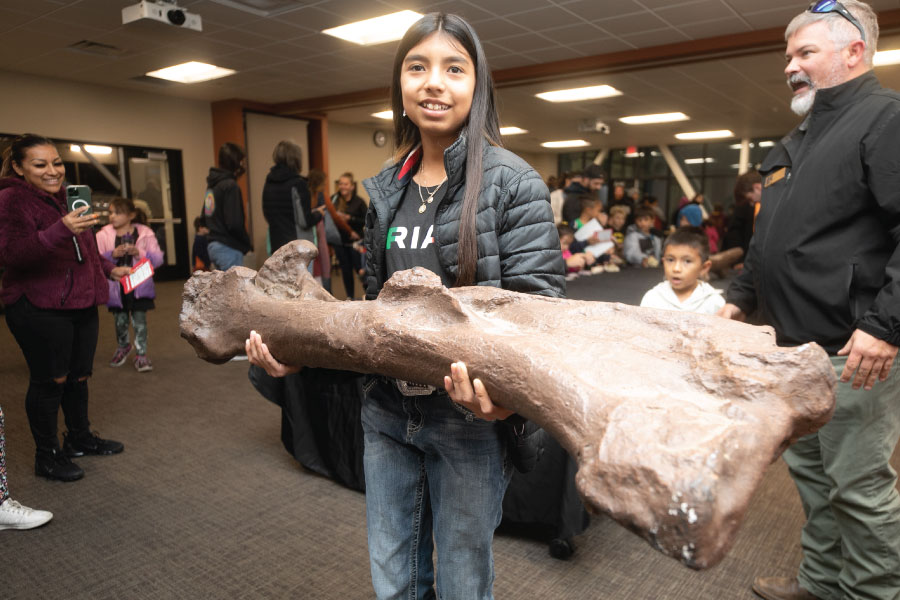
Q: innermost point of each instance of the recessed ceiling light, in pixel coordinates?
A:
(585, 93)
(705, 135)
(886, 57)
(698, 161)
(387, 115)
(512, 130)
(657, 118)
(766, 144)
(91, 149)
(377, 30)
(738, 146)
(565, 144)
(191, 72)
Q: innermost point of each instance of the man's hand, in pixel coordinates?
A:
(731, 311)
(471, 394)
(870, 357)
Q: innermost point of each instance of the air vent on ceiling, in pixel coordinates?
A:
(265, 8)
(96, 48)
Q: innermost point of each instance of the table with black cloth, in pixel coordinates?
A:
(320, 427)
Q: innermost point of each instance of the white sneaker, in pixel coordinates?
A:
(15, 516)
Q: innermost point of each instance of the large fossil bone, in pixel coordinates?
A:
(672, 417)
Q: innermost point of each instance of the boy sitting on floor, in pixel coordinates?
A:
(685, 261)
(642, 248)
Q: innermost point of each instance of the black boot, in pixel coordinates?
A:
(89, 443)
(54, 464)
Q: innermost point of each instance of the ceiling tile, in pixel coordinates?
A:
(574, 34)
(509, 61)
(543, 18)
(349, 11)
(656, 38)
(493, 29)
(633, 23)
(715, 28)
(508, 7)
(522, 43)
(211, 12)
(549, 54)
(275, 28)
(10, 19)
(602, 46)
(312, 18)
(686, 14)
(778, 17)
(242, 39)
(591, 10)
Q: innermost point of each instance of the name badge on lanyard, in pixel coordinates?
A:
(775, 177)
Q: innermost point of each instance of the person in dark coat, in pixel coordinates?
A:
(286, 200)
(54, 280)
(824, 267)
(223, 210)
(454, 202)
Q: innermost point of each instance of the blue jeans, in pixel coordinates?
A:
(224, 257)
(435, 476)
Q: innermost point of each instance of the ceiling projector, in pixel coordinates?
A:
(164, 12)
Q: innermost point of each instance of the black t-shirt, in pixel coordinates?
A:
(410, 238)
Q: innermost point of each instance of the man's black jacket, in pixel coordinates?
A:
(825, 258)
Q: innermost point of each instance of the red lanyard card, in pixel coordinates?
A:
(140, 273)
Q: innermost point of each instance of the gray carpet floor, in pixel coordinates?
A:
(205, 502)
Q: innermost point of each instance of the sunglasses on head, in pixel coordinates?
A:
(833, 6)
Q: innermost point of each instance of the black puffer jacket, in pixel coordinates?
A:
(518, 247)
(223, 211)
(825, 258)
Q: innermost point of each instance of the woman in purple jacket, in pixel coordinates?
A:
(53, 282)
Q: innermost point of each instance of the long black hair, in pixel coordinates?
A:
(482, 123)
(17, 150)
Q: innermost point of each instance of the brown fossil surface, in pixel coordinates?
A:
(672, 417)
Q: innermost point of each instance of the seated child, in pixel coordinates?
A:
(591, 208)
(685, 261)
(617, 216)
(575, 261)
(642, 248)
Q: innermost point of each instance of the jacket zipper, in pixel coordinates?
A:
(67, 289)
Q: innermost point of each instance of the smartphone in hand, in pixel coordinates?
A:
(78, 196)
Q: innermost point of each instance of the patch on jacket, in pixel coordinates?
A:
(209, 203)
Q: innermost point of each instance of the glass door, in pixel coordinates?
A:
(155, 178)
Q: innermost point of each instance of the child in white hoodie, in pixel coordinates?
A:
(685, 261)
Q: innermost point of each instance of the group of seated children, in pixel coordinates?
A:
(596, 242)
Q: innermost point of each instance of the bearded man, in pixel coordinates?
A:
(824, 266)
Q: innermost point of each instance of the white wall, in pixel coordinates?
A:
(543, 162)
(63, 109)
(350, 148)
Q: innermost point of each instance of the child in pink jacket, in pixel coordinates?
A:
(125, 241)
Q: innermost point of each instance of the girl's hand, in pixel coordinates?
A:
(78, 223)
(133, 250)
(119, 251)
(471, 394)
(354, 236)
(120, 272)
(258, 354)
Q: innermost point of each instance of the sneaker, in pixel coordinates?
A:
(119, 357)
(142, 363)
(15, 516)
(89, 444)
(55, 464)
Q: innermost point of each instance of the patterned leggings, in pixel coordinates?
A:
(139, 322)
(4, 491)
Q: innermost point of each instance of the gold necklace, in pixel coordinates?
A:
(430, 199)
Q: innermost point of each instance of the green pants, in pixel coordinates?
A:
(851, 540)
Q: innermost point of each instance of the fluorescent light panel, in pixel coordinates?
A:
(377, 30)
(705, 135)
(91, 149)
(575, 94)
(698, 161)
(191, 72)
(385, 114)
(565, 144)
(512, 130)
(657, 118)
(886, 57)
